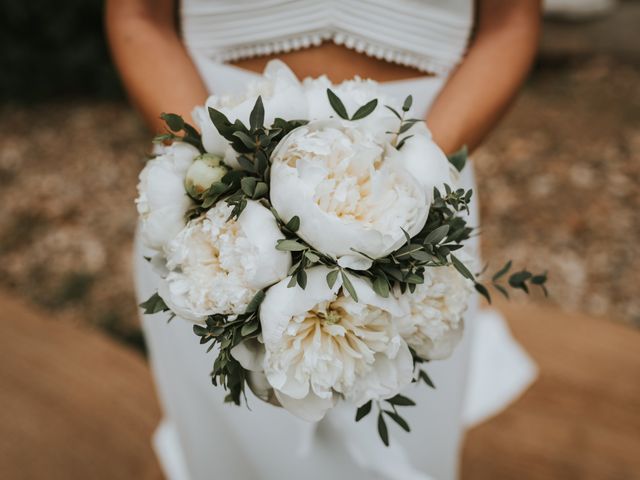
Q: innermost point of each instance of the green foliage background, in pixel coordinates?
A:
(52, 49)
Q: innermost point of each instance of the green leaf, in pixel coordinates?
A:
(422, 256)
(502, 290)
(312, 257)
(292, 281)
(363, 411)
(221, 122)
(337, 105)
(407, 125)
(436, 236)
(459, 159)
(290, 246)
(365, 110)
(301, 278)
(256, 117)
(539, 279)
(382, 430)
(173, 121)
(248, 185)
(502, 271)
(482, 290)
(401, 143)
(261, 190)
(154, 304)
(394, 111)
(408, 250)
(381, 286)
(249, 328)
(401, 401)
(517, 279)
(255, 302)
(246, 140)
(425, 378)
(332, 276)
(461, 267)
(414, 279)
(346, 283)
(398, 419)
(407, 237)
(406, 106)
(293, 224)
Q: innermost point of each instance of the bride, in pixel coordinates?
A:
(463, 61)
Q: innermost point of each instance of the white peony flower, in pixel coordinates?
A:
(217, 266)
(435, 323)
(320, 343)
(347, 189)
(282, 97)
(162, 200)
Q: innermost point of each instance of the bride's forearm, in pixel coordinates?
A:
(155, 68)
(480, 90)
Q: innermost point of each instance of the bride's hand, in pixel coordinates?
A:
(155, 68)
(499, 57)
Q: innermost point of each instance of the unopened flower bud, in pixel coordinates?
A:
(204, 172)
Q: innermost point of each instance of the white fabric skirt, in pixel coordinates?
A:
(203, 438)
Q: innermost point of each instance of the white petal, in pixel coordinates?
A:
(281, 303)
(355, 262)
(311, 408)
(426, 161)
(262, 230)
(250, 354)
(184, 313)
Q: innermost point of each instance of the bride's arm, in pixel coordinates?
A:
(153, 63)
(479, 91)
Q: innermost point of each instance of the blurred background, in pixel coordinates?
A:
(559, 183)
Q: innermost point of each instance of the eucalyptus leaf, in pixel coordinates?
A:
(406, 106)
(346, 283)
(462, 268)
(337, 105)
(401, 401)
(398, 419)
(502, 271)
(154, 304)
(382, 430)
(459, 159)
(256, 117)
(290, 246)
(363, 411)
(365, 110)
(293, 224)
(332, 276)
(436, 236)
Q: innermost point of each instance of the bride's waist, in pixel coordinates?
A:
(336, 62)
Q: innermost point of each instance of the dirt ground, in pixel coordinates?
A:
(558, 185)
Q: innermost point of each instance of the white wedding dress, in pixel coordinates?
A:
(201, 437)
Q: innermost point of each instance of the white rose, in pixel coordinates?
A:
(217, 266)
(282, 97)
(435, 323)
(204, 172)
(320, 343)
(347, 189)
(162, 199)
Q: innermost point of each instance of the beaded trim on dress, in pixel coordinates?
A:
(429, 35)
(299, 42)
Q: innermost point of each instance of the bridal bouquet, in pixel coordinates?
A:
(314, 234)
